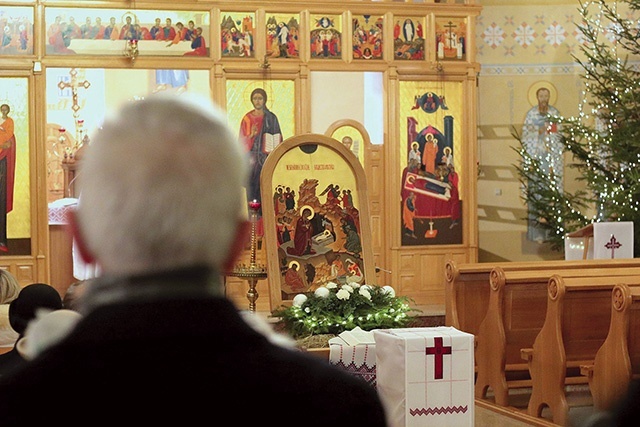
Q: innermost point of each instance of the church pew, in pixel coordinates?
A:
(618, 359)
(467, 285)
(576, 323)
(466, 294)
(515, 315)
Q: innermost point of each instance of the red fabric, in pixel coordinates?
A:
(6, 134)
(433, 207)
(199, 51)
(248, 122)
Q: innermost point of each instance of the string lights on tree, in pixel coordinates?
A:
(603, 139)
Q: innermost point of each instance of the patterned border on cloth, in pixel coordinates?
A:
(355, 352)
(59, 210)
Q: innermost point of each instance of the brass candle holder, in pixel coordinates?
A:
(253, 272)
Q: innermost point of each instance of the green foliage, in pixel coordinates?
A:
(605, 156)
(333, 309)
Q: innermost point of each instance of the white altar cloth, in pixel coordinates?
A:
(600, 240)
(59, 215)
(355, 352)
(59, 210)
(425, 376)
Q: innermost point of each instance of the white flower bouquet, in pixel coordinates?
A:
(334, 308)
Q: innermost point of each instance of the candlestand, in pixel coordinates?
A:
(253, 272)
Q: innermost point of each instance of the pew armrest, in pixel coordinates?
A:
(526, 354)
(586, 370)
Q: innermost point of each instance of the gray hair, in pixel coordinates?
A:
(9, 287)
(161, 186)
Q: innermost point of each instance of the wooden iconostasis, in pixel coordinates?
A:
(395, 82)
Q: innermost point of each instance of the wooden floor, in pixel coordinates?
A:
(489, 414)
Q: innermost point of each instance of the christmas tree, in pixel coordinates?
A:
(603, 139)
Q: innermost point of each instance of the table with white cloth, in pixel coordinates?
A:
(66, 263)
(424, 376)
(355, 352)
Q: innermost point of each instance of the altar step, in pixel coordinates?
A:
(429, 316)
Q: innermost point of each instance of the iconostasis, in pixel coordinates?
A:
(395, 81)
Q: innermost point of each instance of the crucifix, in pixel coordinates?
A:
(613, 244)
(74, 85)
(450, 26)
(438, 351)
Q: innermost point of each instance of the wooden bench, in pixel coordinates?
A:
(515, 315)
(467, 288)
(576, 323)
(467, 285)
(618, 359)
(466, 294)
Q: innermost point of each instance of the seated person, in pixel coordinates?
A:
(9, 290)
(21, 311)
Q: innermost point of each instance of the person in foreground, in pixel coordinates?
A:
(22, 310)
(163, 214)
(625, 412)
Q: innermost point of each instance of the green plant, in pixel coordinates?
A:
(603, 139)
(334, 308)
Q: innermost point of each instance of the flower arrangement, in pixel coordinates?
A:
(334, 308)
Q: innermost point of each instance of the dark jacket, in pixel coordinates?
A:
(182, 357)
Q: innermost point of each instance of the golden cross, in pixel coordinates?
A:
(74, 84)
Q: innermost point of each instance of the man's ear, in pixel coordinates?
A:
(85, 254)
(243, 233)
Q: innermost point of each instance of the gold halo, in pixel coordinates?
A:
(414, 144)
(553, 92)
(255, 85)
(313, 212)
(134, 18)
(294, 262)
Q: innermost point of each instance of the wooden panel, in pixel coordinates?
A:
(634, 338)
(60, 244)
(420, 274)
(525, 306)
(25, 272)
(583, 338)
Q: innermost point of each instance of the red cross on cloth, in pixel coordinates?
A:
(613, 244)
(438, 350)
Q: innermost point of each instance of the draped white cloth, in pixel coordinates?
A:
(425, 376)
